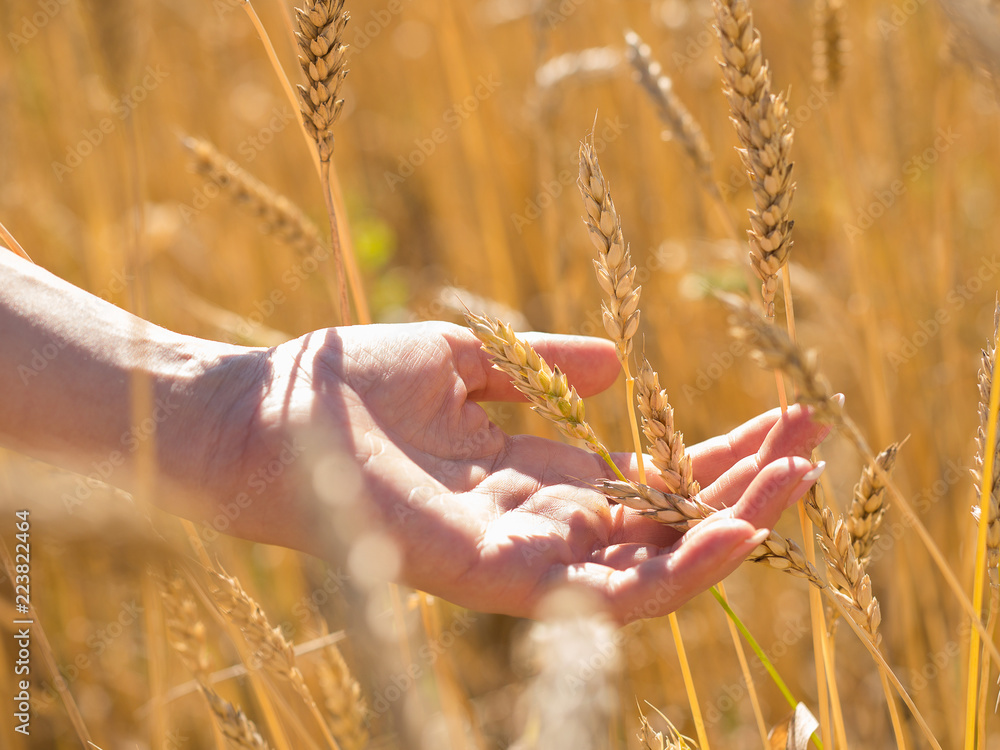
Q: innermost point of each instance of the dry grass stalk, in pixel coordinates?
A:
(239, 731)
(185, 629)
(615, 272)
(681, 125)
(765, 132)
(682, 513)
(986, 370)
(867, 510)
(322, 56)
(830, 46)
(593, 63)
(666, 445)
(546, 387)
(848, 579)
(345, 709)
(277, 214)
(773, 349)
(269, 648)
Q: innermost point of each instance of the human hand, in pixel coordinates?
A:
(484, 519)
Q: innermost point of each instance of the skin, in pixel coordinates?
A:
(487, 520)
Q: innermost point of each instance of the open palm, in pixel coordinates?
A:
(492, 521)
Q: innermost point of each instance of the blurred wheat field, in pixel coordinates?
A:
(457, 155)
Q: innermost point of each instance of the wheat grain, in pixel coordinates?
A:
(270, 649)
(681, 125)
(239, 731)
(342, 701)
(322, 57)
(986, 372)
(546, 387)
(765, 132)
(615, 272)
(781, 553)
(830, 46)
(848, 578)
(277, 214)
(666, 445)
(868, 506)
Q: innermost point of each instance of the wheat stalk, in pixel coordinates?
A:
(666, 445)
(681, 125)
(765, 133)
(547, 388)
(277, 214)
(236, 727)
(593, 63)
(615, 272)
(868, 506)
(342, 701)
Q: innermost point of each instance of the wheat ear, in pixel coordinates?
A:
(666, 445)
(322, 56)
(830, 46)
(185, 629)
(237, 728)
(342, 701)
(277, 214)
(765, 134)
(547, 388)
(680, 124)
(867, 510)
(848, 578)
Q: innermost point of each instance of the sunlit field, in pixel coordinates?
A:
(454, 183)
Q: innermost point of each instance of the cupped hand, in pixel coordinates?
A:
(488, 520)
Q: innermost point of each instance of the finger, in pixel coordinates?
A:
(662, 584)
(715, 456)
(590, 364)
(776, 487)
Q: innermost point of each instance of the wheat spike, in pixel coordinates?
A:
(185, 630)
(773, 349)
(830, 46)
(239, 731)
(765, 133)
(546, 387)
(322, 56)
(867, 510)
(850, 582)
(666, 445)
(681, 125)
(672, 740)
(986, 371)
(268, 646)
(615, 272)
(342, 701)
(277, 214)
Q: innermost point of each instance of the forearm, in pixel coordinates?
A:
(71, 366)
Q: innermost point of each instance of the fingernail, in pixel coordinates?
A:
(839, 398)
(814, 473)
(742, 550)
(759, 536)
